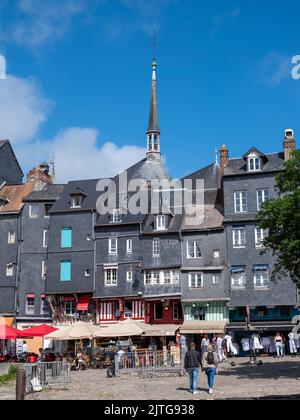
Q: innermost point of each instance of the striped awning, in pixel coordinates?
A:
(203, 327)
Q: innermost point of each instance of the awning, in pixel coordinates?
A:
(160, 330)
(39, 331)
(260, 267)
(238, 269)
(43, 296)
(83, 303)
(203, 327)
(31, 296)
(262, 326)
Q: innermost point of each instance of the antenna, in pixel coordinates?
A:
(52, 163)
(154, 42)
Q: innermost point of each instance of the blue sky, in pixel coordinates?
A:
(79, 77)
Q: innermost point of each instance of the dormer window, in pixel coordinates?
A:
(76, 201)
(116, 216)
(254, 164)
(3, 201)
(161, 223)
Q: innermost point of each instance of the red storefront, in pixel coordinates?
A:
(163, 311)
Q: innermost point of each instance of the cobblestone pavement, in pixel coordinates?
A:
(274, 379)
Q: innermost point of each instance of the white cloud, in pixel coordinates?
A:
(78, 152)
(23, 109)
(78, 155)
(219, 20)
(36, 22)
(275, 68)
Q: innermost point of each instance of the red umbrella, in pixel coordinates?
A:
(39, 331)
(8, 333)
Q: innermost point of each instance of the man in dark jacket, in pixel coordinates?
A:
(192, 363)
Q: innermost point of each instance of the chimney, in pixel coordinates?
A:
(289, 144)
(39, 176)
(224, 156)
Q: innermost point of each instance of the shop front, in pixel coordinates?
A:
(163, 311)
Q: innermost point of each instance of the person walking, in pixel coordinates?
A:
(210, 365)
(279, 345)
(292, 343)
(192, 364)
(204, 344)
(221, 353)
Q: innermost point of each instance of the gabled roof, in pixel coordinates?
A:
(256, 151)
(273, 163)
(4, 142)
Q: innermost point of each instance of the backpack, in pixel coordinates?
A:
(210, 358)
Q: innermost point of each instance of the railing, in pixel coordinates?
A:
(149, 364)
(47, 375)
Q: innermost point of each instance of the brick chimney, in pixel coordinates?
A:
(39, 176)
(289, 144)
(224, 156)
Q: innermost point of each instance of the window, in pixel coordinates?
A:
(44, 305)
(156, 247)
(195, 281)
(260, 236)
(161, 223)
(47, 208)
(176, 311)
(45, 238)
(113, 246)
(198, 312)
(262, 311)
(239, 237)
(111, 277)
(128, 308)
(194, 249)
(161, 277)
(262, 197)
(129, 276)
(129, 246)
(158, 312)
(11, 238)
(44, 269)
(261, 278)
(30, 303)
(70, 307)
(285, 311)
(66, 238)
(254, 164)
(240, 202)
(33, 211)
(76, 201)
(216, 254)
(238, 278)
(88, 238)
(66, 271)
(87, 272)
(116, 216)
(9, 270)
(216, 279)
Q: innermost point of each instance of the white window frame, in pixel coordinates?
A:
(9, 270)
(238, 231)
(262, 285)
(111, 277)
(45, 238)
(44, 269)
(238, 283)
(260, 236)
(87, 272)
(176, 315)
(129, 246)
(196, 246)
(156, 248)
(196, 280)
(163, 277)
(216, 279)
(30, 309)
(256, 162)
(44, 302)
(161, 223)
(129, 276)
(216, 254)
(11, 238)
(113, 250)
(116, 216)
(76, 201)
(238, 202)
(31, 215)
(71, 307)
(265, 197)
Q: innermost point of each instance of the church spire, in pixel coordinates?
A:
(153, 132)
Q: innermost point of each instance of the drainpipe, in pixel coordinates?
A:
(19, 244)
(181, 252)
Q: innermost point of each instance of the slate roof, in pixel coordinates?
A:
(2, 143)
(272, 163)
(50, 192)
(213, 219)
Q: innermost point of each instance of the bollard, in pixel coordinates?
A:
(20, 385)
